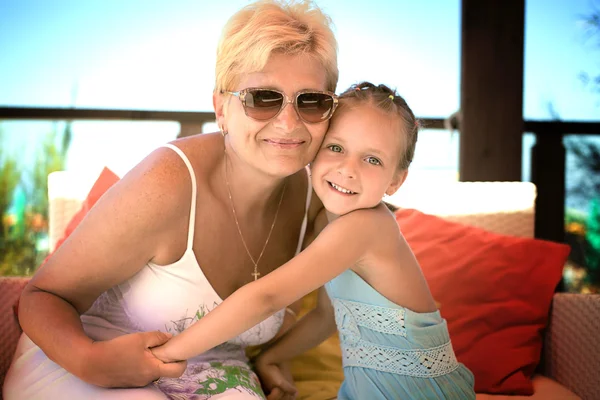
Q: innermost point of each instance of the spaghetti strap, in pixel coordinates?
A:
(190, 241)
(305, 220)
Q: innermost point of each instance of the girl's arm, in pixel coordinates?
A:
(340, 245)
(319, 223)
(310, 331)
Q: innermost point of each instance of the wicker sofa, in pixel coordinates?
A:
(571, 354)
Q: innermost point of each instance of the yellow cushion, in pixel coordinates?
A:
(318, 373)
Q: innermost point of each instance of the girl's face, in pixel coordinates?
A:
(285, 144)
(358, 161)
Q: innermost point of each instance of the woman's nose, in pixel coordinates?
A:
(288, 118)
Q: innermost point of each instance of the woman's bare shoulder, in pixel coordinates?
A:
(165, 171)
(202, 150)
(161, 172)
(151, 202)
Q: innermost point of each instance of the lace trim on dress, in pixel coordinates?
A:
(357, 352)
(423, 363)
(378, 319)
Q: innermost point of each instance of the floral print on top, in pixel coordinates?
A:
(213, 380)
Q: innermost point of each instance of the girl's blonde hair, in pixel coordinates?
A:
(274, 26)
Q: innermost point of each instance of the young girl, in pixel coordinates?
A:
(395, 344)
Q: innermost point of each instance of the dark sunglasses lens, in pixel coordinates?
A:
(263, 104)
(315, 107)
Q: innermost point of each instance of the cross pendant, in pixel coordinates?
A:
(256, 275)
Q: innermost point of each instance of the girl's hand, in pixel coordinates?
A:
(162, 353)
(274, 380)
(127, 361)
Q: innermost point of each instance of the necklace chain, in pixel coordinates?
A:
(256, 274)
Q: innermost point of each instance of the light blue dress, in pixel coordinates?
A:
(390, 352)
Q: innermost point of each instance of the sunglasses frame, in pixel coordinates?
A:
(241, 94)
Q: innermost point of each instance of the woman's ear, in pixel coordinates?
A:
(219, 106)
(399, 178)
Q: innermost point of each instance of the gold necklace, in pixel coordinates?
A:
(255, 274)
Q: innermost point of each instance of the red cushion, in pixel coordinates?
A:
(106, 179)
(495, 293)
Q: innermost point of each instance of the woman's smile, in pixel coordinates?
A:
(285, 144)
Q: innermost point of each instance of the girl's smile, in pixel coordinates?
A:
(341, 189)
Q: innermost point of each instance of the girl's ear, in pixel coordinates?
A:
(219, 106)
(399, 178)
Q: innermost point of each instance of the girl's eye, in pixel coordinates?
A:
(373, 161)
(335, 148)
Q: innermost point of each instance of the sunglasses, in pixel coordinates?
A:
(265, 104)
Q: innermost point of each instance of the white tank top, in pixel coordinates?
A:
(172, 297)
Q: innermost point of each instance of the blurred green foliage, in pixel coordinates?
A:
(24, 203)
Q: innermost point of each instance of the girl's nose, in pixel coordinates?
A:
(347, 169)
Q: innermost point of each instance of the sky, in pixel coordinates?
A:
(158, 55)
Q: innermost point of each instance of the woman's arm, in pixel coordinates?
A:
(310, 331)
(341, 244)
(279, 376)
(104, 250)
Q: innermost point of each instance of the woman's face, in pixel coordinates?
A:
(284, 145)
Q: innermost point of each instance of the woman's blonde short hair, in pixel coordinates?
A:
(274, 26)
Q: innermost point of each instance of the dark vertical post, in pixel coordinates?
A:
(548, 175)
(491, 102)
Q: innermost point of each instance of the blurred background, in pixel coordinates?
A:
(160, 56)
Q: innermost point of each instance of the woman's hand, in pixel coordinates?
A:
(127, 361)
(276, 380)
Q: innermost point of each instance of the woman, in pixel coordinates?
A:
(187, 227)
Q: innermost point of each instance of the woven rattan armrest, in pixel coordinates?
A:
(571, 354)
